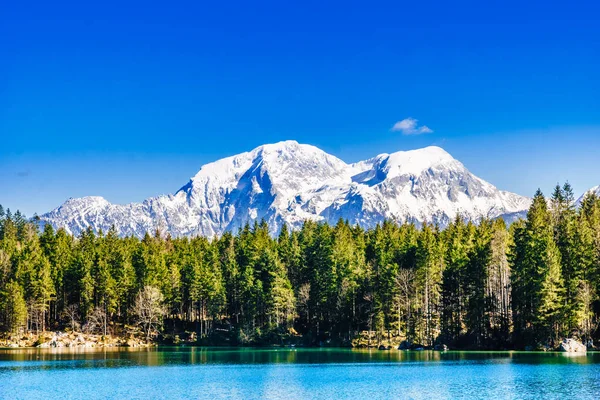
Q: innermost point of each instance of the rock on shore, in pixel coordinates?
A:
(51, 340)
(572, 346)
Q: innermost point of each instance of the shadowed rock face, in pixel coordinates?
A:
(289, 182)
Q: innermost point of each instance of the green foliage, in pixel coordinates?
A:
(481, 285)
(13, 307)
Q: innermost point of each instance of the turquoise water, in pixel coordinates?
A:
(200, 373)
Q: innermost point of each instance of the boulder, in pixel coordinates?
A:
(405, 345)
(50, 344)
(572, 346)
(441, 347)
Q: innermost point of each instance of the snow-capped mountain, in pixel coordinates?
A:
(595, 189)
(288, 182)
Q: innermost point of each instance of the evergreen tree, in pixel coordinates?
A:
(429, 269)
(14, 308)
(458, 237)
(537, 284)
(564, 223)
(477, 286)
(470, 285)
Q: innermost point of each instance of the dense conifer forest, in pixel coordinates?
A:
(470, 285)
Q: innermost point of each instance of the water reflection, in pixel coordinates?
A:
(283, 373)
(164, 356)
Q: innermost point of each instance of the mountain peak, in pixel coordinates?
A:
(289, 149)
(421, 158)
(410, 162)
(283, 145)
(432, 152)
(288, 182)
(89, 201)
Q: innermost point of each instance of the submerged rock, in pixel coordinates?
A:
(572, 346)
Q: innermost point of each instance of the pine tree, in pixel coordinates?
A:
(279, 300)
(14, 308)
(348, 264)
(537, 284)
(454, 280)
(430, 266)
(469, 285)
(230, 272)
(323, 280)
(42, 289)
(584, 254)
(564, 223)
(477, 286)
(78, 277)
(590, 212)
(522, 284)
(20, 221)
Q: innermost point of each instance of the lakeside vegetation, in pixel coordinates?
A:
(479, 286)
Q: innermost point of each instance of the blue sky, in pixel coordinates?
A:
(128, 101)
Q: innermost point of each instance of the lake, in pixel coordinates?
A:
(204, 373)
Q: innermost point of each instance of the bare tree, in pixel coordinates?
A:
(404, 285)
(71, 314)
(35, 312)
(5, 266)
(149, 310)
(97, 322)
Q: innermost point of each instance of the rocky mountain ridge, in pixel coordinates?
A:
(288, 182)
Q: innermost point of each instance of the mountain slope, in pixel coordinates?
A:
(289, 182)
(595, 190)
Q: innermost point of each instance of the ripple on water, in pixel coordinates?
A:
(200, 373)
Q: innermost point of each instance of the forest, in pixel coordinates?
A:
(472, 285)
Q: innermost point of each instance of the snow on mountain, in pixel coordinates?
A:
(288, 182)
(595, 189)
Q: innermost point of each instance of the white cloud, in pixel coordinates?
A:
(409, 126)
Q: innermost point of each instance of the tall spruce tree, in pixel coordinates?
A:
(429, 269)
(14, 308)
(537, 285)
(469, 285)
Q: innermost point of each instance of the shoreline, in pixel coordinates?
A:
(71, 340)
(160, 346)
